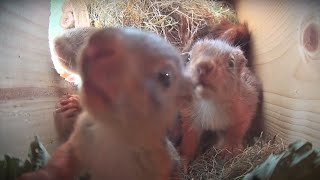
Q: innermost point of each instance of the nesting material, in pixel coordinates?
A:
(176, 20)
(211, 166)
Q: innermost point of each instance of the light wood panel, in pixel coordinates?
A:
(286, 51)
(29, 85)
(81, 14)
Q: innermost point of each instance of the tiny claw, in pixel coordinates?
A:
(185, 166)
(58, 110)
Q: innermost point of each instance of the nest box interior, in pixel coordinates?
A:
(285, 51)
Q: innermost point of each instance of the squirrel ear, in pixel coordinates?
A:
(186, 57)
(239, 53)
(101, 44)
(101, 63)
(65, 51)
(67, 45)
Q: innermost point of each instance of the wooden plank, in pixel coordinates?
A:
(21, 120)
(286, 54)
(81, 14)
(29, 85)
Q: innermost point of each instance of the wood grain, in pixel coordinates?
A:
(81, 14)
(286, 55)
(29, 85)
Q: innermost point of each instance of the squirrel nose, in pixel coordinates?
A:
(204, 68)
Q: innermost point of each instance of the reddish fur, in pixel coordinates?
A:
(189, 144)
(62, 165)
(235, 134)
(235, 34)
(112, 129)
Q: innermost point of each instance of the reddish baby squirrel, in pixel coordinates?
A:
(226, 94)
(234, 34)
(132, 82)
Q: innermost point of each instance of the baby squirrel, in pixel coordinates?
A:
(132, 83)
(226, 94)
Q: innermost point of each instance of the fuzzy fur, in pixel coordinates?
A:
(127, 109)
(226, 94)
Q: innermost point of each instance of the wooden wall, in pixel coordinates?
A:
(286, 51)
(29, 85)
(286, 45)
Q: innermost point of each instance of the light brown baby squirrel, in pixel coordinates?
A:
(132, 83)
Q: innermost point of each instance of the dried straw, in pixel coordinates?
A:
(211, 166)
(176, 20)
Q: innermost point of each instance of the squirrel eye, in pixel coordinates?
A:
(164, 79)
(186, 57)
(231, 63)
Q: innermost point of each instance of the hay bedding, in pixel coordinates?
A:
(179, 21)
(209, 166)
(175, 20)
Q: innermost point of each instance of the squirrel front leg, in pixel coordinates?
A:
(63, 166)
(189, 144)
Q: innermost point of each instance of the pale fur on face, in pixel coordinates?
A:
(210, 115)
(213, 110)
